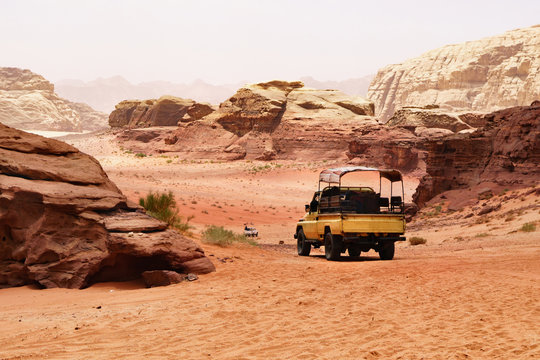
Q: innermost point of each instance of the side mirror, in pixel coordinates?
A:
(307, 207)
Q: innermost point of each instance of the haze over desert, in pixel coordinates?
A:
(285, 180)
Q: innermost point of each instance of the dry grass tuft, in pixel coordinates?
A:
(416, 240)
(218, 235)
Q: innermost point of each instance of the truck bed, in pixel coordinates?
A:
(365, 223)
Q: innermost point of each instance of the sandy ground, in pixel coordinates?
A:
(472, 291)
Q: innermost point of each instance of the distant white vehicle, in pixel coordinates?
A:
(250, 231)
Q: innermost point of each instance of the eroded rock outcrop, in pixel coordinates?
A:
(435, 118)
(63, 223)
(165, 111)
(483, 75)
(273, 120)
(505, 151)
(28, 101)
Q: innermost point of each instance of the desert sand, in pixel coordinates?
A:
(470, 292)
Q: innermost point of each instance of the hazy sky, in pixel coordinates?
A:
(230, 41)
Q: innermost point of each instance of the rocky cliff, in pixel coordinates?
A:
(28, 101)
(505, 151)
(63, 223)
(273, 120)
(483, 75)
(165, 111)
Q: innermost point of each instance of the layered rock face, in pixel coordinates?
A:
(63, 223)
(165, 111)
(273, 120)
(483, 75)
(434, 118)
(28, 101)
(506, 151)
(393, 148)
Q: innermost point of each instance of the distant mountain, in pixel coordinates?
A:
(104, 93)
(355, 86)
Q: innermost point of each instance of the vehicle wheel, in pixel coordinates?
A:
(303, 246)
(387, 251)
(332, 246)
(354, 251)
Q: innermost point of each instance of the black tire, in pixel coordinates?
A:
(332, 246)
(354, 251)
(304, 248)
(387, 251)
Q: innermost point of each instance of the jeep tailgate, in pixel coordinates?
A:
(373, 223)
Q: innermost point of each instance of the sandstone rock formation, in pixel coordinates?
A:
(165, 111)
(482, 75)
(433, 117)
(385, 147)
(273, 120)
(506, 151)
(28, 101)
(63, 223)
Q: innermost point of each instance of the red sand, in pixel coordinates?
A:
(471, 292)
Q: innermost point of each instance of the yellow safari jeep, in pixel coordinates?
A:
(353, 219)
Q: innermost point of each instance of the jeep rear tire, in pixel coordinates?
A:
(332, 246)
(386, 251)
(302, 245)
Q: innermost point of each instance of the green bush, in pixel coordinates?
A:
(415, 240)
(528, 227)
(141, 155)
(162, 206)
(218, 235)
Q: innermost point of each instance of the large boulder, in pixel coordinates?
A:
(483, 75)
(165, 111)
(63, 223)
(28, 101)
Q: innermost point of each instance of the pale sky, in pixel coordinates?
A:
(239, 40)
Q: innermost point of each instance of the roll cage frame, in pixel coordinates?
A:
(334, 175)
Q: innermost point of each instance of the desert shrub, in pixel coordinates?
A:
(528, 227)
(141, 155)
(481, 235)
(163, 207)
(416, 240)
(218, 235)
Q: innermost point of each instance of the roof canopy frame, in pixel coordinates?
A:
(333, 176)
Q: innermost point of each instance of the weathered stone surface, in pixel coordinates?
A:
(483, 75)
(428, 118)
(162, 278)
(133, 221)
(505, 151)
(28, 101)
(273, 120)
(165, 111)
(63, 223)
(388, 147)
